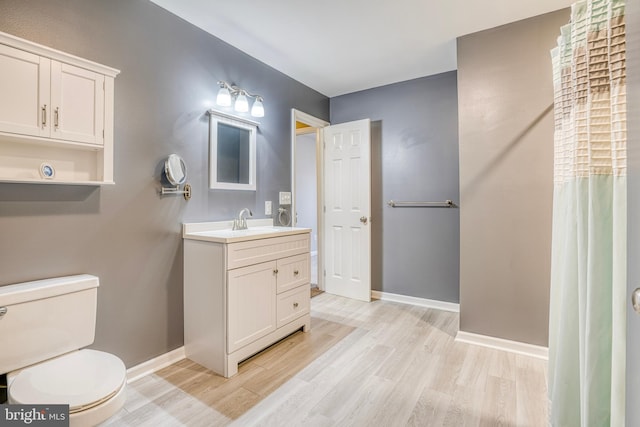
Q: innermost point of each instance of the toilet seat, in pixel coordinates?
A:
(83, 379)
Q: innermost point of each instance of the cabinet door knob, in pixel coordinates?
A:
(296, 272)
(275, 271)
(295, 305)
(635, 300)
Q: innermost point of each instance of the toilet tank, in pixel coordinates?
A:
(46, 318)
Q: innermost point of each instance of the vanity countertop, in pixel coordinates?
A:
(221, 231)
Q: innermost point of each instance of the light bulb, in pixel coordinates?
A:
(258, 109)
(242, 105)
(224, 97)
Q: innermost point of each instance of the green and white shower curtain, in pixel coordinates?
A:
(587, 321)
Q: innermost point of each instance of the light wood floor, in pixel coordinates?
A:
(362, 364)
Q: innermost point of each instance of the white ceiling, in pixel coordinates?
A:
(342, 46)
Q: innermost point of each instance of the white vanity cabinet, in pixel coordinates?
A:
(55, 109)
(243, 294)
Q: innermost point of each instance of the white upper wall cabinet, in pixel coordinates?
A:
(25, 88)
(56, 115)
(77, 103)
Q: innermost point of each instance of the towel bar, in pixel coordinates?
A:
(445, 204)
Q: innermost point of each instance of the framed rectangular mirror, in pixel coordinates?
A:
(232, 152)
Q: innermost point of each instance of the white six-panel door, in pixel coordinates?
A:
(347, 188)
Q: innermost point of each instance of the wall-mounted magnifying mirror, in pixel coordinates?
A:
(175, 171)
(232, 150)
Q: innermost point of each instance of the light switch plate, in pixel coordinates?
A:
(285, 197)
(267, 207)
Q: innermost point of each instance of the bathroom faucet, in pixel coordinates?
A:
(240, 223)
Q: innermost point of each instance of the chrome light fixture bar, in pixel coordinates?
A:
(229, 93)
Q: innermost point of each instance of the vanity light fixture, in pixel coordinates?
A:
(242, 103)
(239, 96)
(258, 108)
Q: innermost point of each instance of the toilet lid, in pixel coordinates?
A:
(80, 379)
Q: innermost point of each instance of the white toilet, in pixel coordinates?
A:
(43, 324)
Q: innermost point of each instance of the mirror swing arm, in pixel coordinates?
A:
(186, 191)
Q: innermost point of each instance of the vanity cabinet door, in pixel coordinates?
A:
(24, 92)
(77, 99)
(251, 304)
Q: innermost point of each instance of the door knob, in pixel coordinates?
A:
(364, 220)
(635, 300)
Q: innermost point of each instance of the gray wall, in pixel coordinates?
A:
(505, 93)
(415, 251)
(126, 234)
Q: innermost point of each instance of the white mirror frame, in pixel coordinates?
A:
(216, 117)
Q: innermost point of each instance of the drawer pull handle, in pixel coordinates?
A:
(56, 120)
(44, 115)
(295, 305)
(296, 272)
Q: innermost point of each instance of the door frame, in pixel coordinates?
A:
(632, 17)
(316, 124)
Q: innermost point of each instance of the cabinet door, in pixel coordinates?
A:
(251, 309)
(293, 272)
(77, 98)
(24, 92)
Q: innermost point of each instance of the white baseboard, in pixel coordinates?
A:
(155, 364)
(420, 302)
(505, 345)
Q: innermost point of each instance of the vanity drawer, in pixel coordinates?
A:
(293, 304)
(262, 250)
(293, 272)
